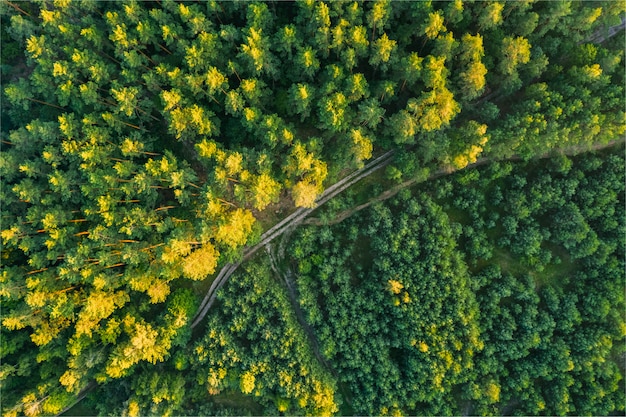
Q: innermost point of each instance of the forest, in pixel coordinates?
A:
(144, 145)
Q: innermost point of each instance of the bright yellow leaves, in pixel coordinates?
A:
(59, 69)
(461, 161)
(383, 47)
(236, 229)
(361, 146)
(126, 98)
(261, 190)
(305, 193)
(477, 135)
(214, 380)
(247, 382)
(249, 87)
(491, 16)
(515, 51)
(233, 163)
(303, 91)
(36, 45)
(119, 36)
(435, 72)
(400, 294)
(99, 305)
(13, 322)
(252, 49)
(358, 39)
(69, 379)
(301, 159)
(158, 291)
(251, 114)
(133, 409)
(282, 404)
(207, 148)
(434, 109)
(201, 262)
(131, 147)
(434, 25)
(308, 61)
(333, 111)
(145, 344)
(324, 399)
(192, 120)
(312, 173)
(215, 80)
(492, 392)
(395, 286)
(474, 77)
(171, 99)
(174, 250)
(266, 190)
(592, 71)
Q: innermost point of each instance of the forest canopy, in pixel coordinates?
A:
(495, 291)
(146, 144)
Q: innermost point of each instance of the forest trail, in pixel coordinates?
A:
(602, 35)
(279, 229)
(299, 217)
(446, 171)
(287, 277)
(300, 214)
(286, 274)
(295, 218)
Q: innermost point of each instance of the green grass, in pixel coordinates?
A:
(508, 263)
(556, 274)
(237, 401)
(553, 274)
(83, 408)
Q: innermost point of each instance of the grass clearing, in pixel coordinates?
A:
(237, 401)
(82, 408)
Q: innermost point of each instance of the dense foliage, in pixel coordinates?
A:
(252, 346)
(142, 142)
(534, 326)
(400, 326)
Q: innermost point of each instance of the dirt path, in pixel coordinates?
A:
(286, 275)
(295, 218)
(299, 217)
(442, 172)
(604, 34)
(287, 278)
(82, 394)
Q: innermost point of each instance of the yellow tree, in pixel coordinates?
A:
(304, 193)
(361, 146)
(201, 262)
(468, 142)
(434, 109)
(490, 15)
(473, 80)
(515, 51)
(382, 51)
(266, 190)
(237, 228)
(434, 25)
